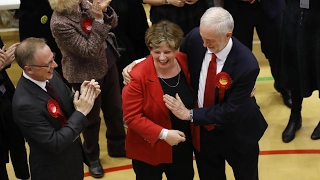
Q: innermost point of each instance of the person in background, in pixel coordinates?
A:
(34, 21)
(266, 17)
(132, 25)
(49, 115)
(300, 63)
(81, 30)
(185, 13)
(157, 141)
(11, 138)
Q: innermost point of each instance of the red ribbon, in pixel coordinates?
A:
(87, 25)
(55, 111)
(223, 81)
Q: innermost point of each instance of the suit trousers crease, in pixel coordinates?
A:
(182, 161)
(216, 149)
(109, 101)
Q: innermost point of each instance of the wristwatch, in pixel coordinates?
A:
(191, 115)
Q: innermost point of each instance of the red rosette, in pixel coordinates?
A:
(87, 25)
(223, 81)
(55, 111)
(53, 108)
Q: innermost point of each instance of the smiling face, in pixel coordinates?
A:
(164, 56)
(43, 65)
(212, 40)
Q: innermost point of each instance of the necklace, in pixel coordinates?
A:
(169, 84)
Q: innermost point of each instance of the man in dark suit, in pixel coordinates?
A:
(231, 125)
(49, 114)
(11, 138)
(266, 16)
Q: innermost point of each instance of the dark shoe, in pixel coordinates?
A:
(290, 131)
(316, 132)
(96, 169)
(285, 94)
(116, 152)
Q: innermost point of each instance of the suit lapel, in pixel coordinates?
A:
(228, 66)
(34, 89)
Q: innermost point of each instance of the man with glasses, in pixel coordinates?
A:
(49, 114)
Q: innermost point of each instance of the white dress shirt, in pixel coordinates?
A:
(41, 84)
(221, 59)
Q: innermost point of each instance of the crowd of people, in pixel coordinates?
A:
(192, 93)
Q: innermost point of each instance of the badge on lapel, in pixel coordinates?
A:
(223, 81)
(55, 111)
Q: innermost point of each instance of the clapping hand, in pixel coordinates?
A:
(104, 4)
(7, 57)
(94, 83)
(97, 9)
(84, 102)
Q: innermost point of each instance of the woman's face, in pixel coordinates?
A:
(164, 56)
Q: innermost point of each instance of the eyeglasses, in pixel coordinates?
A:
(47, 65)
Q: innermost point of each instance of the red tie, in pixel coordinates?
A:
(209, 90)
(53, 93)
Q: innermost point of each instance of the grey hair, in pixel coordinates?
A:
(218, 18)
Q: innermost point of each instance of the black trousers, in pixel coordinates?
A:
(216, 150)
(269, 30)
(180, 168)
(109, 101)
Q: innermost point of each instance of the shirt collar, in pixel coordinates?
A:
(223, 54)
(41, 84)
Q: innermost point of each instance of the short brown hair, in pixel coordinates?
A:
(164, 32)
(25, 52)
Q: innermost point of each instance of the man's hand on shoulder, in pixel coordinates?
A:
(125, 72)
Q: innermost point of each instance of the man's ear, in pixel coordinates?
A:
(28, 70)
(229, 35)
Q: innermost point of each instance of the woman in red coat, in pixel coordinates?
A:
(157, 141)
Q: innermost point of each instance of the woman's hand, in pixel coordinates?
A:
(7, 57)
(97, 9)
(104, 4)
(174, 137)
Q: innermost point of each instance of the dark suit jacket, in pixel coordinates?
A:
(272, 8)
(239, 115)
(146, 114)
(55, 152)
